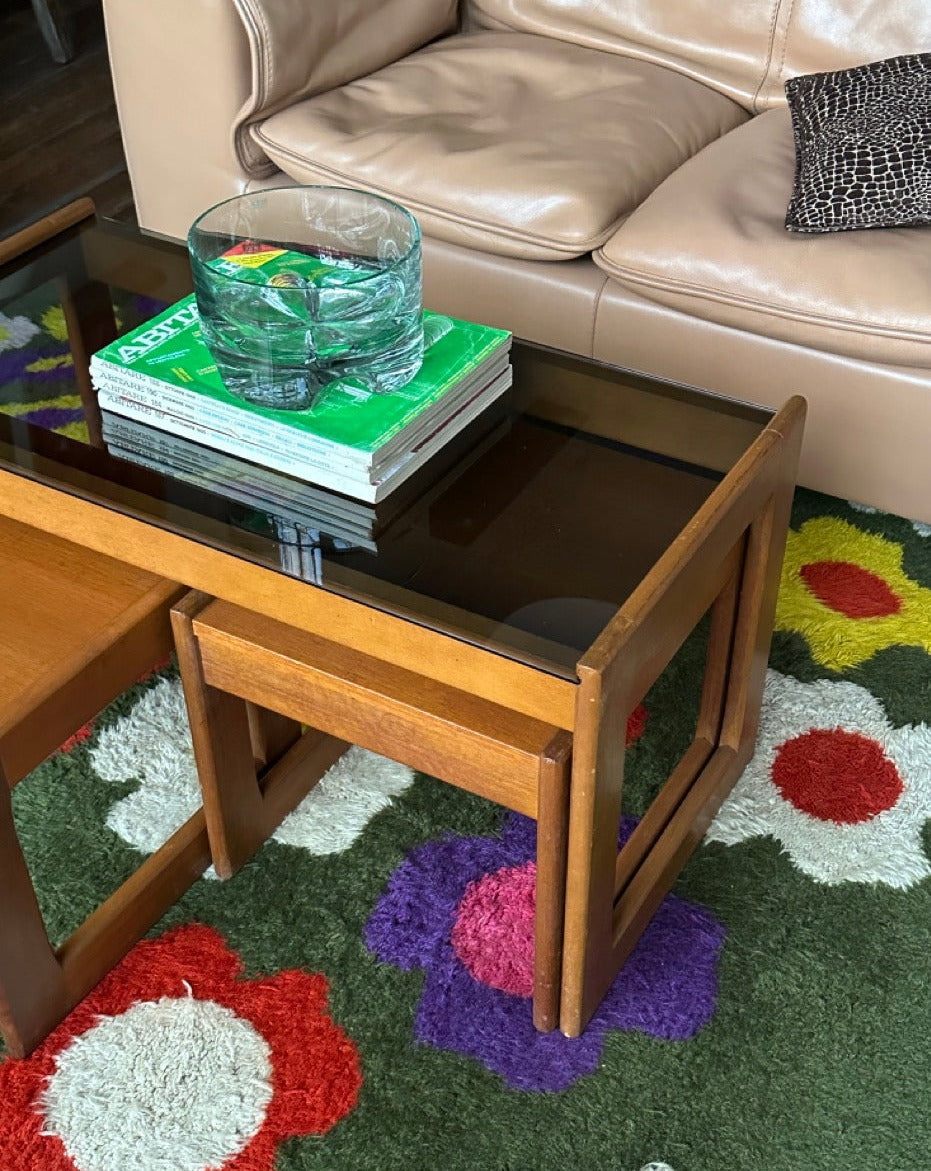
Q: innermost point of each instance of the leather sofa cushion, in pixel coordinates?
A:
(711, 242)
(510, 143)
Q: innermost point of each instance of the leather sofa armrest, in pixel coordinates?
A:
(191, 76)
(181, 74)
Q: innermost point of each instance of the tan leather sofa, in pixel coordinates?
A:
(606, 177)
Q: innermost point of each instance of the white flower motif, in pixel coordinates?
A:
(15, 332)
(152, 744)
(331, 817)
(844, 792)
(161, 1061)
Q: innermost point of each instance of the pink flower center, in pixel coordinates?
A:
(836, 776)
(850, 589)
(493, 935)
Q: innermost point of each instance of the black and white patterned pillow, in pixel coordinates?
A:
(862, 146)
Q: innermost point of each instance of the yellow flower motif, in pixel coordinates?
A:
(77, 431)
(846, 593)
(53, 322)
(60, 362)
(62, 401)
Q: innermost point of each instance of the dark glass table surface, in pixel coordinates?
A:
(524, 537)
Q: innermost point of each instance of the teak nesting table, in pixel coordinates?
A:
(496, 630)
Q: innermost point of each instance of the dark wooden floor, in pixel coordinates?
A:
(59, 134)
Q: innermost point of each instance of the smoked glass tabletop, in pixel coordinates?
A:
(523, 536)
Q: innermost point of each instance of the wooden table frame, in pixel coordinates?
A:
(86, 304)
(727, 559)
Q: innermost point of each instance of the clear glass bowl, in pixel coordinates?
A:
(298, 286)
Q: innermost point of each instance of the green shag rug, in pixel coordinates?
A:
(356, 997)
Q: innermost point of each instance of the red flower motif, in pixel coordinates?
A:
(78, 737)
(836, 775)
(314, 1075)
(850, 589)
(636, 725)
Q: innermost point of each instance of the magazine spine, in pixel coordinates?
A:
(163, 398)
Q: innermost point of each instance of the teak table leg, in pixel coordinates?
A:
(31, 984)
(89, 319)
(243, 804)
(231, 659)
(734, 551)
(552, 843)
(40, 985)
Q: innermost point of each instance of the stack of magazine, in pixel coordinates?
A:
(162, 374)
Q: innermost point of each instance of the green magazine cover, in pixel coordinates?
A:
(167, 354)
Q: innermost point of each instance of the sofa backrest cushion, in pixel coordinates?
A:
(743, 48)
(299, 49)
(723, 43)
(819, 36)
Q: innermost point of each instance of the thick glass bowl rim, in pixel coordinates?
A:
(356, 278)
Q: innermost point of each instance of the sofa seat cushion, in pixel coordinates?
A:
(711, 242)
(507, 142)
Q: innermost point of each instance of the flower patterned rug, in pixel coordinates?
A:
(358, 996)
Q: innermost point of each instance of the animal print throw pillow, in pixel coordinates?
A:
(862, 146)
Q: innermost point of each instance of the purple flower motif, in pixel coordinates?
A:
(13, 363)
(52, 417)
(427, 919)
